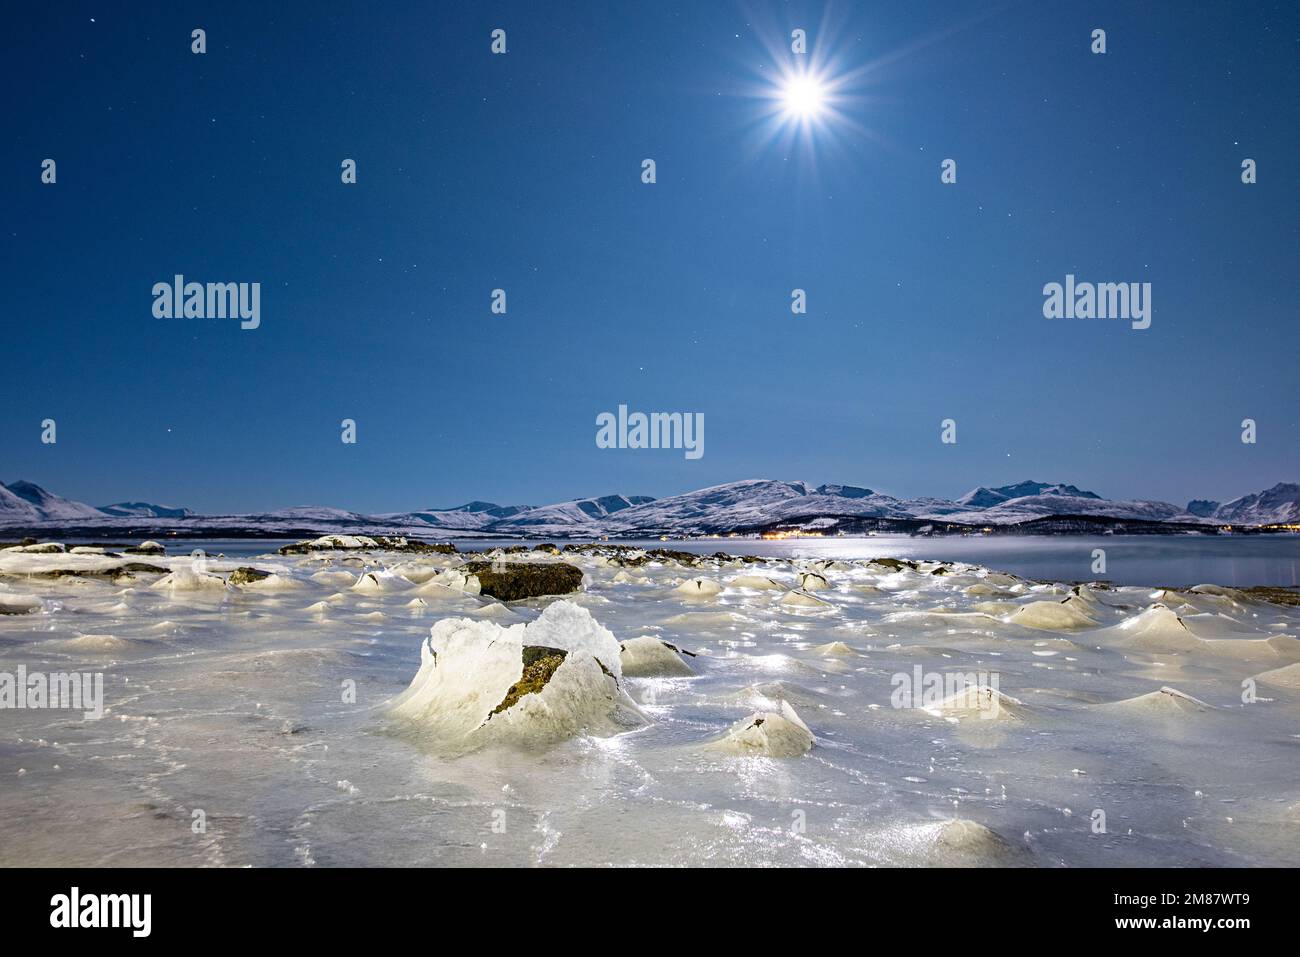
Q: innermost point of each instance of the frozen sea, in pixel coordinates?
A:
(251, 725)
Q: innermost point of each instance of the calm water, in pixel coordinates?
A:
(1173, 560)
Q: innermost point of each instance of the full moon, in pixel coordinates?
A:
(803, 96)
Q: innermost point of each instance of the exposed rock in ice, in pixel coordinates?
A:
(273, 583)
(515, 581)
(40, 548)
(526, 684)
(147, 548)
(648, 656)
(246, 575)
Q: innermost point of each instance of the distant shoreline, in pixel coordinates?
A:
(846, 527)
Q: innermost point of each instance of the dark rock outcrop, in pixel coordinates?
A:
(511, 581)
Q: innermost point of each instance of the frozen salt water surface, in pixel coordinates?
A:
(230, 701)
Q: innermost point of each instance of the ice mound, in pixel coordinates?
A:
(1167, 702)
(86, 550)
(373, 583)
(647, 656)
(450, 579)
(760, 582)
(956, 843)
(1157, 625)
(768, 695)
(703, 588)
(416, 572)
(985, 590)
(1223, 591)
(1089, 598)
(864, 588)
(998, 578)
(1054, 615)
(774, 734)
(833, 649)
(342, 542)
(15, 604)
(272, 583)
(336, 579)
(495, 609)
(41, 548)
(831, 565)
(1287, 677)
(319, 607)
(188, 580)
(980, 702)
(97, 643)
(526, 684)
(812, 581)
(802, 599)
(1160, 630)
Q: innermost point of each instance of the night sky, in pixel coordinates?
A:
(522, 171)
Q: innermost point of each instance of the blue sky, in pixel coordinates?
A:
(522, 172)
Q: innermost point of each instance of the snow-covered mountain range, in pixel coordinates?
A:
(748, 506)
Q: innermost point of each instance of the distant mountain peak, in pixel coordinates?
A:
(748, 505)
(145, 510)
(985, 497)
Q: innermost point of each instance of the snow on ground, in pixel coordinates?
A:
(358, 709)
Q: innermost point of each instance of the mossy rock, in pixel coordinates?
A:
(540, 663)
(112, 572)
(246, 575)
(674, 555)
(382, 543)
(146, 548)
(1278, 596)
(512, 581)
(894, 563)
